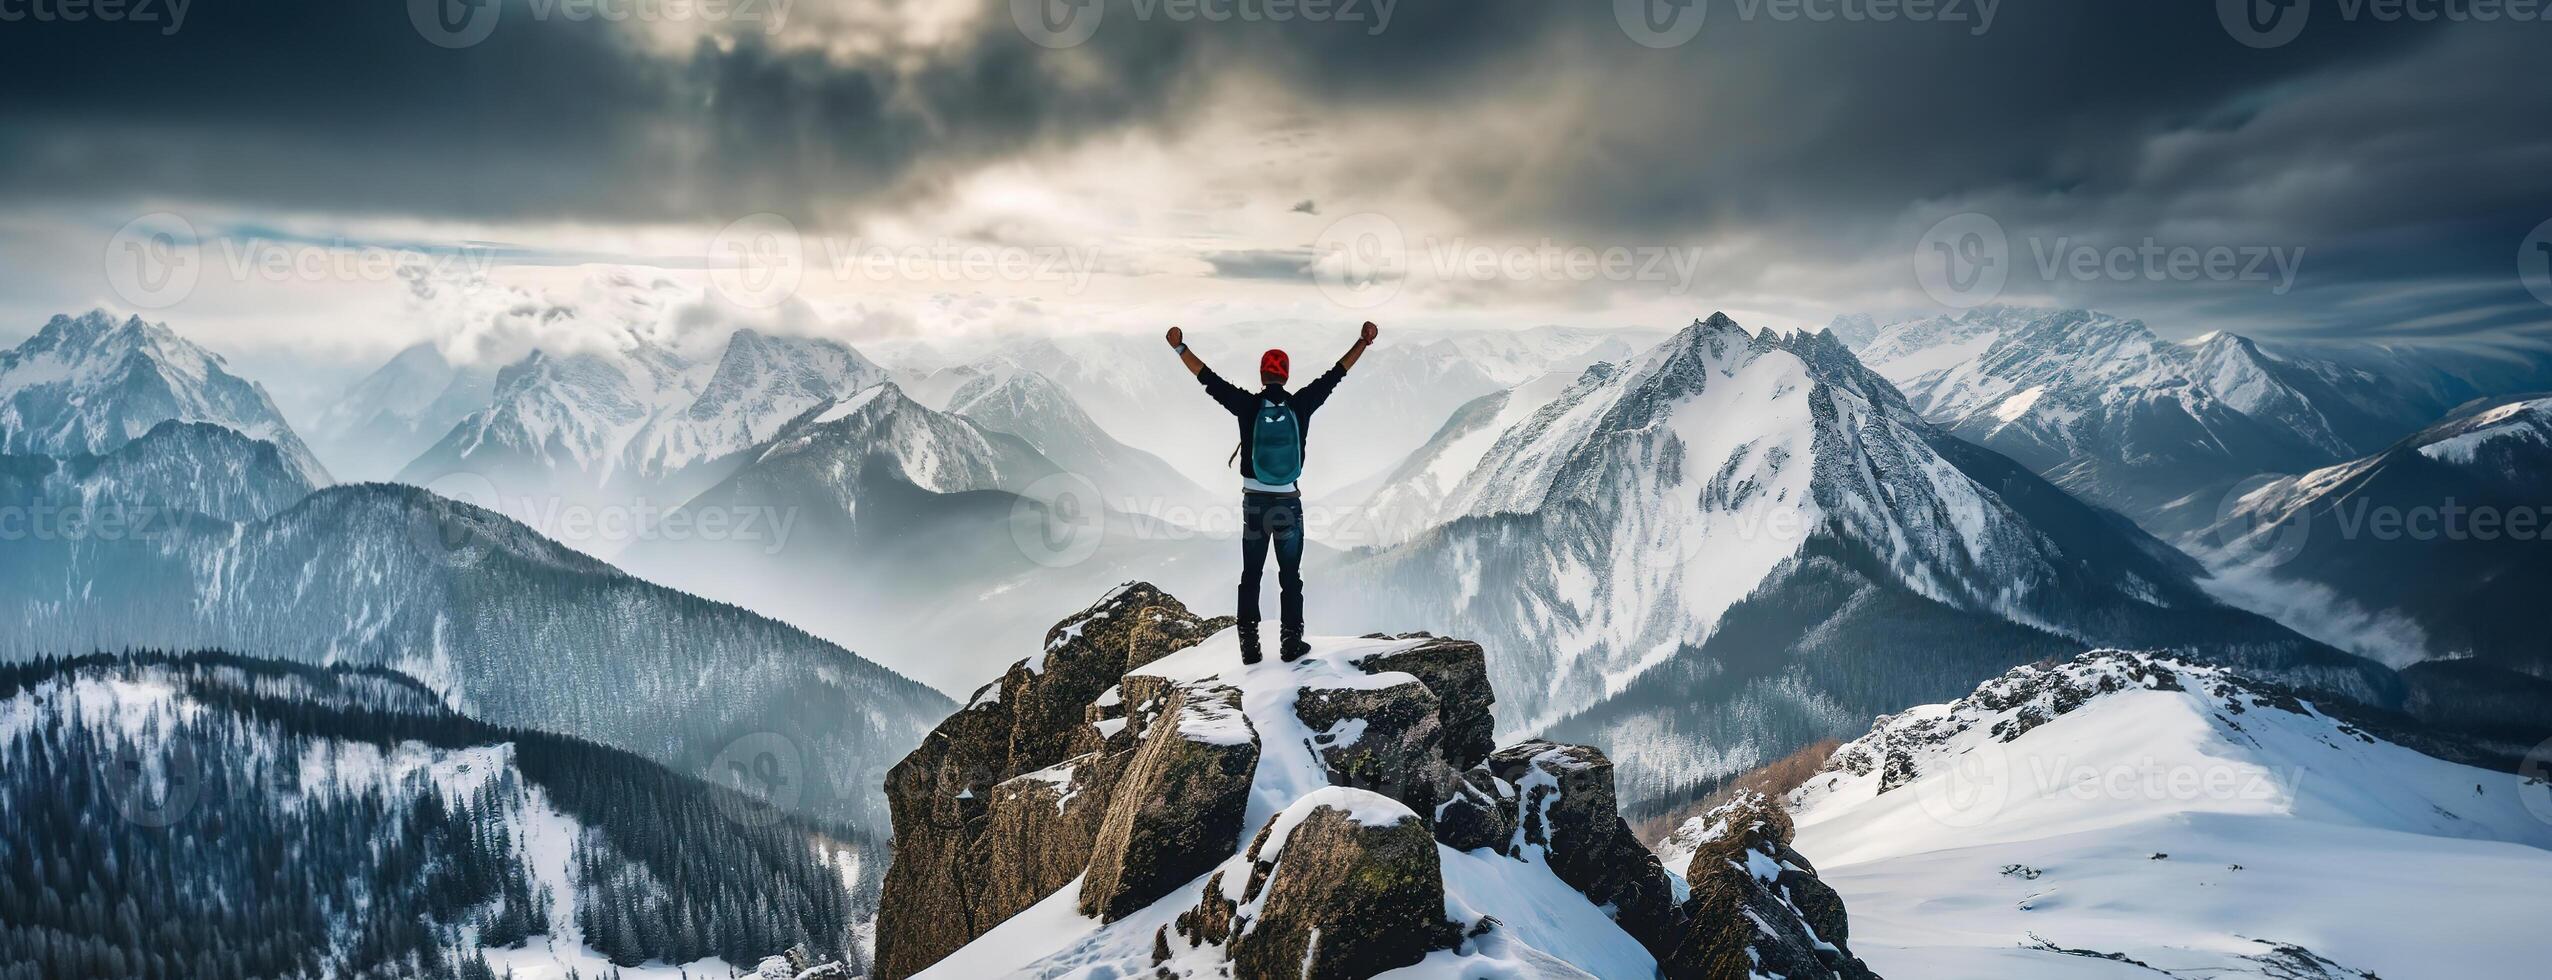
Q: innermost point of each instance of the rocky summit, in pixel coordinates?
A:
(1133, 801)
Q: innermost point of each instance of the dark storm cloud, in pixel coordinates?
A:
(2398, 154)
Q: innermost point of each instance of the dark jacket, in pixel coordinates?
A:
(1244, 404)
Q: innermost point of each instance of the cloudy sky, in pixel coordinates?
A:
(341, 177)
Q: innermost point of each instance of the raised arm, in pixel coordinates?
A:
(1178, 342)
(1364, 339)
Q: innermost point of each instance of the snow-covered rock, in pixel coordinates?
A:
(1136, 801)
(2121, 814)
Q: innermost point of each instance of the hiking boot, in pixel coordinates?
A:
(1249, 646)
(1294, 649)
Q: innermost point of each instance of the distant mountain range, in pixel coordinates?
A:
(399, 411)
(87, 385)
(2158, 430)
(635, 424)
(928, 538)
(1738, 543)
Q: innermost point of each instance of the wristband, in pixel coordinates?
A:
(1181, 348)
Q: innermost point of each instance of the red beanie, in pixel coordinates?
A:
(1274, 362)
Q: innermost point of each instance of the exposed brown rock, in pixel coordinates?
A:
(940, 891)
(1177, 809)
(1757, 906)
(1340, 899)
(1458, 673)
(1388, 740)
(1563, 802)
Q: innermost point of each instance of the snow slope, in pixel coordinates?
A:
(2070, 814)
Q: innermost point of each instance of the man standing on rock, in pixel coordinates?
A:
(1274, 425)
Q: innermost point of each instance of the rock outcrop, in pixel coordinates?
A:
(1757, 908)
(1005, 801)
(1134, 801)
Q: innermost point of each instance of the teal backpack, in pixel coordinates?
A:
(1276, 445)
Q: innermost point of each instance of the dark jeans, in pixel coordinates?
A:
(1266, 517)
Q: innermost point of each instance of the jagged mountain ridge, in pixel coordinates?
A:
(2128, 812)
(1740, 543)
(383, 835)
(504, 624)
(1133, 800)
(924, 538)
(176, 468)
(2105, 408)
(1028, 405)
(637, 423)
(87, 385)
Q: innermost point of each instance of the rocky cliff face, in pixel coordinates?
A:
(1134, 801)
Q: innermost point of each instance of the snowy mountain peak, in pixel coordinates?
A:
(90, 384)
